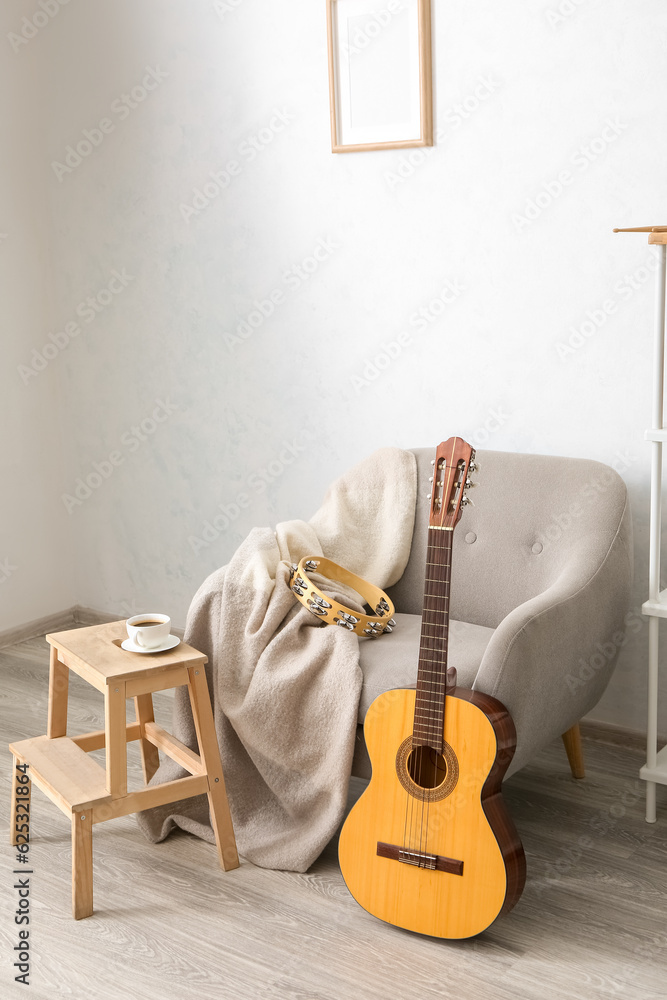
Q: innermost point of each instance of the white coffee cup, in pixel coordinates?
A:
(148, 631)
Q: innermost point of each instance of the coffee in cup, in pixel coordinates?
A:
(150, 631)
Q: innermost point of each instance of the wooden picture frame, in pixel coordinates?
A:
(380, 85)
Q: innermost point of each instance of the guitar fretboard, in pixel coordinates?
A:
(429, 721)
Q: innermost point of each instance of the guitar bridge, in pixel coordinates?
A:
(420, 859)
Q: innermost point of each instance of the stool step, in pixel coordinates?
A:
(64, 771)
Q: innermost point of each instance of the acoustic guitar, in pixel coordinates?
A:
(430, 846)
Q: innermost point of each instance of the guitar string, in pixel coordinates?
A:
(442, 599)
(420, 752)
(416, 755)
(430, 702)
(417, 752)
(442, 641)
(442, 583)
(429, 696)
(433, 549)
(449, 481)
(409, 845)
(405, 827)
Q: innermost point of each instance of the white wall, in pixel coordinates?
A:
(35, 558)
(519, 98)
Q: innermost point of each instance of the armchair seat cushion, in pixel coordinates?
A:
(391, 661)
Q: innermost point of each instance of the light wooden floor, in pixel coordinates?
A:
(170, 925)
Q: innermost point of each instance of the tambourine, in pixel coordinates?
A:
(331, 611)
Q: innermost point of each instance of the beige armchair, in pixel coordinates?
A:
(541, 578)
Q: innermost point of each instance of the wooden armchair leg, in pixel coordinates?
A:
(575, 754)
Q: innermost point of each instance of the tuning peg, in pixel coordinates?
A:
(469, 485)
(432, 461)
(473, 467)
(430, 479)
(466, 501)
(473, 454)
(428, 496)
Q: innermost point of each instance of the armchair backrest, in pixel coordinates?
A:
(535, 519)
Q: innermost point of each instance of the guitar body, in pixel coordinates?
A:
(429, 846)
(459, 818)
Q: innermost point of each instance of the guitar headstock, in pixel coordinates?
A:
(454, 460)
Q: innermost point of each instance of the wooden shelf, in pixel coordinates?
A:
(657, 773)
(63, 771)
(656, 609)
(76, 783)
(657, 235)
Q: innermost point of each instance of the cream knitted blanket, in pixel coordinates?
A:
(285, 688)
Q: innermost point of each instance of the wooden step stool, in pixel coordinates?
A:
(88, 793)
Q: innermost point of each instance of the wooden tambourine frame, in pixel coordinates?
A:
(332, 612)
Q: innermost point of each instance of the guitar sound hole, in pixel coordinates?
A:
(426, 767)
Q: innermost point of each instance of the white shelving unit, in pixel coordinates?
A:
(654, 771)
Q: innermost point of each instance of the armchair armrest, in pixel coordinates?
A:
(551, 658)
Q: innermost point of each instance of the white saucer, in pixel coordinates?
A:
(171, 642)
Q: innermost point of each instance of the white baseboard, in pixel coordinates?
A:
(39, 626)
(607, 732)
(71, 618)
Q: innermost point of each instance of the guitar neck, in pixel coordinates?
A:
(429, 721)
